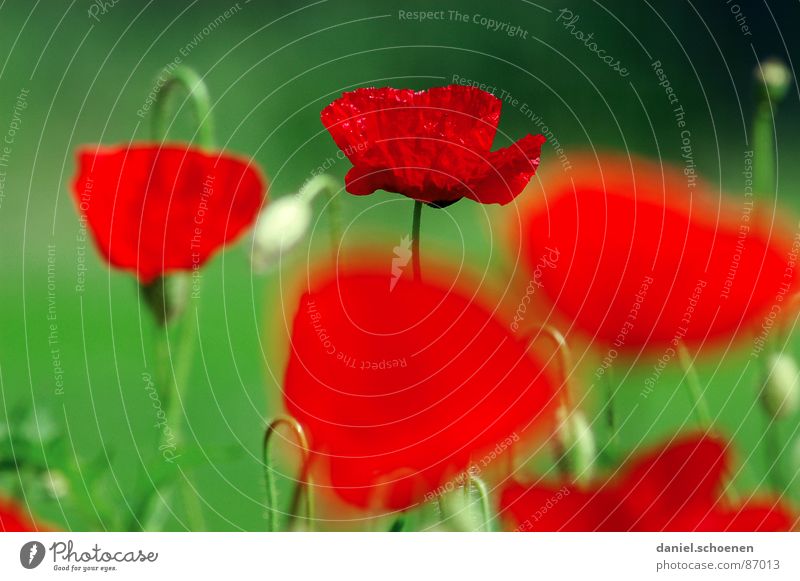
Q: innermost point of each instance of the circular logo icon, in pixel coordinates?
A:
(31, 554)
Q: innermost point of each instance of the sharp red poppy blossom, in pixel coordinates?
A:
(648, 256)
(677, 488)
(432, 146)
(401, 387)
(14, 519)
(156, 209)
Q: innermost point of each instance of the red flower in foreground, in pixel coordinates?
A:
(155, 210)
(678, 488)
(433, 146)
(645, 260)
(399, 389)
(13, 519)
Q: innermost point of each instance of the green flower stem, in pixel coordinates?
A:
(773, 81)
(610, 410)
(763, 149)
(693, 387)
(772, 448)
(483, 497)
(183, 368)
(173, 379)
(415, 227)
(326, 184)
(304, 482)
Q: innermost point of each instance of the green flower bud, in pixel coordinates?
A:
(774, 77)
(56, 484)
(780, 395)
(281, 226)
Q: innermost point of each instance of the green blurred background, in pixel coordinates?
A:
(271, 67)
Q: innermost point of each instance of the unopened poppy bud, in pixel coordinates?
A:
(167, 296)
(781, 392)
(281, 226)
(577, 443)
(774, 77)
(56, 484)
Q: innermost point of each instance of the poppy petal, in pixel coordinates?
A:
(507, 171)
(159, 209)
(400, 386)
(432, 146)
(674, 488)
(648, 262)
(14, 519)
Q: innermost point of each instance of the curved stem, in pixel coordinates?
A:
(415, 228)
(193, 84)
(694, 389)
(304, 482)
(314, 187)
(565, 356)
(566, 367)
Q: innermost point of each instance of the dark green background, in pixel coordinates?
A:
(270, 68)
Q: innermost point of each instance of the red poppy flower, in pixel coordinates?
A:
(433, 146)
(646, 259)
(678, 488)
(158, 209)
(13, 519)
(399, 387)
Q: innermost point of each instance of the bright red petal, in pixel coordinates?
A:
(155, 210)
(548, 508)
(674, 488)
(758, 516)
(431, 145)
(13, 519)
(644, 263)
(392, 118)
(399, 388)
(677, 488)
(507, 171)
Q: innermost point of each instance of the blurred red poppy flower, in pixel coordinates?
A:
(156, 209)
(432, 146)
(678, 488)
(14, 519)
(649, 256)
(400, 387)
